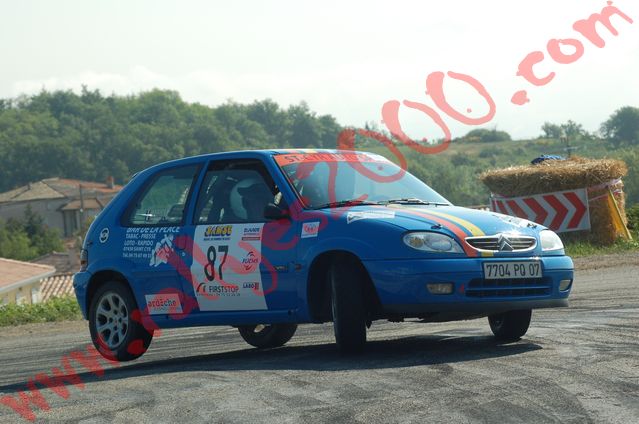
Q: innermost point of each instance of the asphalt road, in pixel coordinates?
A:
(577, 364)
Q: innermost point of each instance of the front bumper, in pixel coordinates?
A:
(401, 286)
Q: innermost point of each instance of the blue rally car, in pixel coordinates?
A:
(265, 240)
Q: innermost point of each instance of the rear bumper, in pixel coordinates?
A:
(401, 286)
(80, 283)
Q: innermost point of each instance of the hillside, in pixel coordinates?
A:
(454, 172)
(90, 136)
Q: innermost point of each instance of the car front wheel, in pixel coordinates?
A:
(115, 334)
(348, 306)
(264, 336)
(511, 325)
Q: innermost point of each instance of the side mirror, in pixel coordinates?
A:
(274, 212)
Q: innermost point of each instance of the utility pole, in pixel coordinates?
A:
(566, 140)
(81, 208)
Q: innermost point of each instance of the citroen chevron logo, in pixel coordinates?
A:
(504, 243)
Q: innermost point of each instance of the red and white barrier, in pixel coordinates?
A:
(561, 211)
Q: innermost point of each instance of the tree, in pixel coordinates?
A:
(573, 130)
(551, 130)
(28, 238)
(622, 127)
(15, 245)
(484, 135)
(305, 129)
(89, 136)
(570, 129)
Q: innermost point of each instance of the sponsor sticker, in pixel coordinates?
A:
(162, 251)
(356, 216)
(310, 229)
(513, 220)
(163, 303)
(252, 233)
(250, 261)
(104, 235)
(218, 231)
(230, 280)
(307, 157)
(153, 244)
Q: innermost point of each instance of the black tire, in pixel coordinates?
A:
(348, 306)
(114, 301)
(511, 325)
(267, 336)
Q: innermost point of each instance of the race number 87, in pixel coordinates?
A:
(211, 256)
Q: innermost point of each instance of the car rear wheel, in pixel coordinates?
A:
(115, 334)
(348, 306)
(511, 325)
(264, 336)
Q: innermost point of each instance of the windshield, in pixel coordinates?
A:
(342, 179)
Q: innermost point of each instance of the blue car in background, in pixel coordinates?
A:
(265, 240)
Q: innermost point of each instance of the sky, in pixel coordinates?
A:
(344, 58)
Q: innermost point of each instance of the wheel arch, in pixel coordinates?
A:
(318, 290)
(99, 279)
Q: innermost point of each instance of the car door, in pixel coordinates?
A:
(152, 222)
(234, 264)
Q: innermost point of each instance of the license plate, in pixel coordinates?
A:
(508, 270)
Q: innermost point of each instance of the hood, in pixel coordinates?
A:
(462, 222)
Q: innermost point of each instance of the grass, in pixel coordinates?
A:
(582, 248)
(56, 309)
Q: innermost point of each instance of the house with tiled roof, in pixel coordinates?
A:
(63, 262)
(20, 281)
(58, 285)
(61, 283)
(63, 203)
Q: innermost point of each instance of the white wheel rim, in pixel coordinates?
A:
(112, 320)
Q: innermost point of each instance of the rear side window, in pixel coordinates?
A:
(163, 200)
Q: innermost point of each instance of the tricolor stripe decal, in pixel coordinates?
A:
(460, 227)
(459, 232)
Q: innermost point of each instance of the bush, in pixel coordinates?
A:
(485, 136)
(630, 181)
(57, 309)
(460, 159)
(489, 152)
(633, 217)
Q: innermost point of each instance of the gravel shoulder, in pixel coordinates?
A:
(585, 263)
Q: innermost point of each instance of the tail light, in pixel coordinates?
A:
(84, 259)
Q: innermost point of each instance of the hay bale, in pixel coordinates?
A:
(554, 175)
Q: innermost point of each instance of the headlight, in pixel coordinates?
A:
(550, 241)
(432, 242)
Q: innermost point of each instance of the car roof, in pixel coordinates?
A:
(238, 154)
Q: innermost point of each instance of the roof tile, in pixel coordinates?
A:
(56, 286)
(12, 271)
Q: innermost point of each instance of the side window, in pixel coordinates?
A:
(235, 192)
(163, 201)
